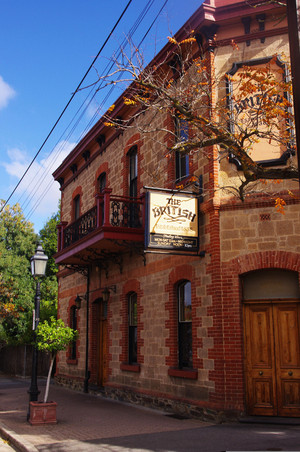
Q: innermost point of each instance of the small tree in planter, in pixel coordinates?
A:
(52, 337)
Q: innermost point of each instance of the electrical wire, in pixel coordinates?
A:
(95, 89)
(86, 105)
(68, 103)
(105, 71)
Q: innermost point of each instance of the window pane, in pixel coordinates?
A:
(183, 130)
(132, 328)
(182, 161)
(102, 182)
(185, 302)
(132, 358)
(77, 207)
(133, 309)
(270, 283)
(185, 345)
(182, 165)
(133, 172)
(185, 350)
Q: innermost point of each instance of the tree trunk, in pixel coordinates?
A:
(48, 379)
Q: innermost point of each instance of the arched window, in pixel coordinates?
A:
(181, 160)
(73, 324)
(76, 202)
(101, 182)
(133, 171)
(184, 299)
(132, 328)
(133, 208)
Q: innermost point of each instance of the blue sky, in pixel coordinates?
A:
(46, 48)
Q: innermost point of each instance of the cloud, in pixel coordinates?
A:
(6, 93)
(38, 193)
(18, 162)
(93, 110)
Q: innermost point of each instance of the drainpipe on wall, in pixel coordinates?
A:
(293, 27)
(87, 373)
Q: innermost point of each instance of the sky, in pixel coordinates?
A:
(46, 48)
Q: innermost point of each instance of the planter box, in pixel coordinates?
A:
(42, 413)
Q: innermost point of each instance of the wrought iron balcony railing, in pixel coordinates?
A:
(111, 213)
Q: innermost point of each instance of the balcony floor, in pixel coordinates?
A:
(99, 244)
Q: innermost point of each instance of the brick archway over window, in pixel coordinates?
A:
(71, 306)
(131, 286)
(135, 140)
(76, 192)
(183, 272)
(102, 169)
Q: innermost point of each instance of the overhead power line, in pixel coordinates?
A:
(67, 105)
(92, 93)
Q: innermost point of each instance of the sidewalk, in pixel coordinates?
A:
(89, 423)
(85, 422)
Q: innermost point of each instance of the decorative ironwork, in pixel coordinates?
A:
(125, 213)
(115, 213)
(81, 227)
(110, 211)
(83, 270)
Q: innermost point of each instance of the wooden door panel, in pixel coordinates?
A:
(260, 370)
(287, 336)
(260, 342)
(290, 393)
(263, 396)
(287, 355)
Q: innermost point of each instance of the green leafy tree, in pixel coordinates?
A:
(17, 286)
(49, 288)
(52, 337)
(17, 244)
(48, 235)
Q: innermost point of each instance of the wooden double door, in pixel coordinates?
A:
(272, 357)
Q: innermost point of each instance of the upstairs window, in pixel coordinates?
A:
(184, 298)
(133, 171)
(76, 207)
(101, 182)
(181, 160)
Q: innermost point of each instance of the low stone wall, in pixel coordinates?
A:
(177, 408)
(69, 382)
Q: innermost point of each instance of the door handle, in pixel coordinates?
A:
(261, 372)
(290, 373)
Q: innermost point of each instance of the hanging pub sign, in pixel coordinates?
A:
(172, 220)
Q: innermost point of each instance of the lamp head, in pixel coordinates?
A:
(39, 262)
(105, 294)
(78, 302)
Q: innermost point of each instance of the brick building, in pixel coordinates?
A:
(214, 331)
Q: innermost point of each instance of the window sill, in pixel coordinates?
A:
(130, 367)
(190, 374)
(72, 361)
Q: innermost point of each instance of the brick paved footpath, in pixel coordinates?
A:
(89, 423)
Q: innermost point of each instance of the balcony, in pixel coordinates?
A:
(114, 223)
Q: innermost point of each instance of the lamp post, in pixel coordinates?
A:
(38, 269)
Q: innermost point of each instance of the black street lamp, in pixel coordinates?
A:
(38, 269)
